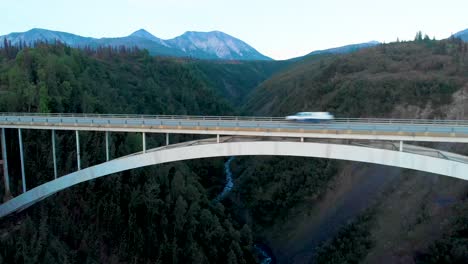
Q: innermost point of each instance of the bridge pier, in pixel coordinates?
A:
(143, 136)
(217, 138)
(5, 166)
(23, 176)
(167, 139)
(78, 161)
(54, 155)
(401, 145)
(107, 146)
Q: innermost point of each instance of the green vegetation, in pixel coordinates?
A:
(61, 79)
(368, 83)
(419, 77)
(270, 186)
(350, 245)
(452, 248)
(161, 214)
(236, 79)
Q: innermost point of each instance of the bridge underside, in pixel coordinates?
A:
(384, 153)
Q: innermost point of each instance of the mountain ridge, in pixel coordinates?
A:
(346, 48)
(339, 50)
(463, 34)
(200, 45)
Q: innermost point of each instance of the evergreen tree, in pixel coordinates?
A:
(418, 37)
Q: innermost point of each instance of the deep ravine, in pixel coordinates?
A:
(229, 182)
(263, 252)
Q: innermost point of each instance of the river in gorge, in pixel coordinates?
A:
(229, 182)
(350, 205)
(264, 253)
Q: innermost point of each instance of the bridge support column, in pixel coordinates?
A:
(78, 160)
(107, 146)
(5, 165)
(217, 138)
(167, 139)
(143, 136)
(302, 139)
(54, 154)
(23, 176)
(401, 145)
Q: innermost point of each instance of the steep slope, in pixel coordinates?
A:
(390, 75)
(215, 44)
(409, 211)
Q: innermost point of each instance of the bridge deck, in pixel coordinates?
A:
(376, 129)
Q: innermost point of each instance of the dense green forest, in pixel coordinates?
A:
(270, 186)
(157, 215)
(235, 80)
(56, 78)
(351, 244)
(452, 248)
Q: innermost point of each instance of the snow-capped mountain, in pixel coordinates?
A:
(202, 45)
(214, 44)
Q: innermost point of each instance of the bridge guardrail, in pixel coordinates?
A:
(239, 118)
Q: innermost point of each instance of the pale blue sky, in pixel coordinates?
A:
(279, 29)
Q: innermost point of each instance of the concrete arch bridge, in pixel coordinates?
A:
(377, 141)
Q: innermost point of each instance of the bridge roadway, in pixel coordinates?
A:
(341, 128)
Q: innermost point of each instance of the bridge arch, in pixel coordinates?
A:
(205, 149)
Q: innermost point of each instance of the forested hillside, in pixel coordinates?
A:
(418, 79)
(369, 82)
(161, 214)
(56, 78)
(236, 79)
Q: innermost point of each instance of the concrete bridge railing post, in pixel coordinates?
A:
(107, 146)
(23, 176)
(6, 177)
(78, 160)
(143, 136)
(54, 154)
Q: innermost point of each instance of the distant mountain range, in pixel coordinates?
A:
(202, 45)
(339, 50)
(462, 34)
(346, 49)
